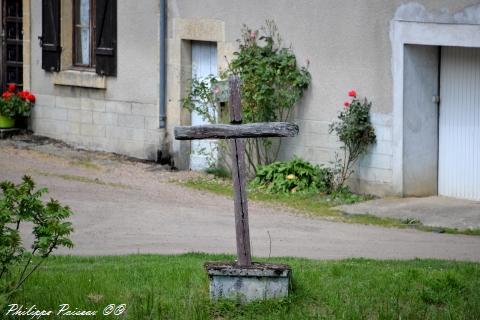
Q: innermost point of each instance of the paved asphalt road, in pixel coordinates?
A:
(133, 208)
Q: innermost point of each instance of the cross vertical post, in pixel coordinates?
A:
(238, 174)
(237, 133)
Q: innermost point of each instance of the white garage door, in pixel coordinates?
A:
(204, 63)
(459, 136)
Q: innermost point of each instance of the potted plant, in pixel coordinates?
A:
(14, 104)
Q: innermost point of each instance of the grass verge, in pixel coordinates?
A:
(318, 205)
(85, 163)
(176, 287)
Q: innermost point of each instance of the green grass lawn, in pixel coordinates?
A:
(176, 287)
(318, 205)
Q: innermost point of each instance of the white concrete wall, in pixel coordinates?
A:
(123, 117)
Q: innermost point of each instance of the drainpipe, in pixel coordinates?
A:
(163, 62)
(163, 156)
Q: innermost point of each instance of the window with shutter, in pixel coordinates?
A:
(106, 37)
(50, 39)
(94, 20)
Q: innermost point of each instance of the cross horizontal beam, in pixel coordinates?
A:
(234, 131)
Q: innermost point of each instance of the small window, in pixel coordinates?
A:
(93, 48)
(84, 33)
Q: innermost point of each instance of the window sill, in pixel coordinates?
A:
(78, 78)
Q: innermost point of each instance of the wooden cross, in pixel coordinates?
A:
(238, 132)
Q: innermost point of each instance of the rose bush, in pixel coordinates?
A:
(354, 129)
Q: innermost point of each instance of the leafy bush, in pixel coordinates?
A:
(19, 204)
(272, 83)
(202, 99)
(344, 195)
(293, 176)
(354, 129)
(219, 172)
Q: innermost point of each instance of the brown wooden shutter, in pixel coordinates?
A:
(50, 39)
(106, 37)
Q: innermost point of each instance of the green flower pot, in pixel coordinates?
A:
(6, 122)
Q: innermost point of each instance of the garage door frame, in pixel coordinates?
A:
(418, 33)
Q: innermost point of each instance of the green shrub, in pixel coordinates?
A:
(19, 204)
(343, 195)
(272, 82)
(219, 172)
(293, 176)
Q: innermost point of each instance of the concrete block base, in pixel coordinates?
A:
(245, 284)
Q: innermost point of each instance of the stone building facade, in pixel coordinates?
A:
(389, 51)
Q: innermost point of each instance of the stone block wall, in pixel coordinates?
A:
(373, 173)
(129, 128)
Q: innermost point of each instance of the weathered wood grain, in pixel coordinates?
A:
(235, 100)
(242, 228)
(232, 131)
(240, 203)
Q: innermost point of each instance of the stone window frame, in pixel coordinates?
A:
(71, 75)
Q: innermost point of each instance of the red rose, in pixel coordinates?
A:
(346, 104)
(11, 87)
(31, 98)
(352, 93)
(6, 95)
(23, 95)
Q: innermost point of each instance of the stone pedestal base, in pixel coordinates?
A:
(244, 284)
